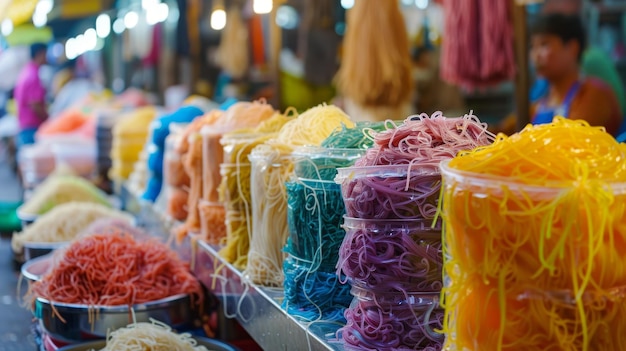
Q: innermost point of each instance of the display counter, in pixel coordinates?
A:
(257, 309)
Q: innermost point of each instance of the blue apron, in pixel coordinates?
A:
(545, 114)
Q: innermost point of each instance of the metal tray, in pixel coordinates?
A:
(83, 323)
(211, 344)
(34, 250)
(34, 269)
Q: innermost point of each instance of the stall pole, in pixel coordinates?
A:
(194, 11)
(522, 79)
(276, 44)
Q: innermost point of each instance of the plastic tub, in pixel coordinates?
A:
(237, 146)
(80, 157)
(177, 199)
(312, 294)
(549, 239)
(212, 158)
(391, 255)
(270, 171)
(315, 211)
(410, 321)
(37, 159)
(235, 186)
(212, 221)
(390, 192)
(322, 163)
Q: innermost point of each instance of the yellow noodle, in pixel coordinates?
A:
(63, 223)
(235, 185)
(534, 239)
(271, 167)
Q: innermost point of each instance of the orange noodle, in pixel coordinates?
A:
(190, 149)
(534, 242)
(113, 269)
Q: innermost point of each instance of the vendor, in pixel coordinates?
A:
(557, 45)
(30, 96)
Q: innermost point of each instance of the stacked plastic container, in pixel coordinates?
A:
(160, 129)
(104, 144)
(315, 214)
(235, 194)
(129, 139)
(391, 256)
(36, 162)
(172, 200)
(212, 210)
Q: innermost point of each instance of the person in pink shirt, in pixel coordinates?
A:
(30, 96)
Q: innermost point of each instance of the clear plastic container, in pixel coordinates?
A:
(235, 187)
(400, 321)
(390, 192)
(177, 199)
(212, 221)
(322, 163)
(270, 170)
(212, 158)
(562, 250)
(36, 159)
(312, 294)
(79, 156)
(237, 146)
(315, 211)
(392, 255)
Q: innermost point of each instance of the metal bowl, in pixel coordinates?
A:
(34, 250)
(26, 218)
(34, 269)
(211, 344)
(83, 323)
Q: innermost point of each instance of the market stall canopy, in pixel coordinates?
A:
(27, 34)
(21, 11)
(18, 11)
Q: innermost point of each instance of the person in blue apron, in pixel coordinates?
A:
(557, 45)
(545, 114)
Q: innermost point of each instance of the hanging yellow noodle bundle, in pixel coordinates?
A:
(64, 222)
(232, 54)
(235, 185)
(240, 115)
(376, 66)
(271, 167)
(153, 336)
(535, 239)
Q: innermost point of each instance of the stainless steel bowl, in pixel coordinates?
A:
(83, 323)
(211, 344)
(33, 250)
(34, 269)
(26, 218)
